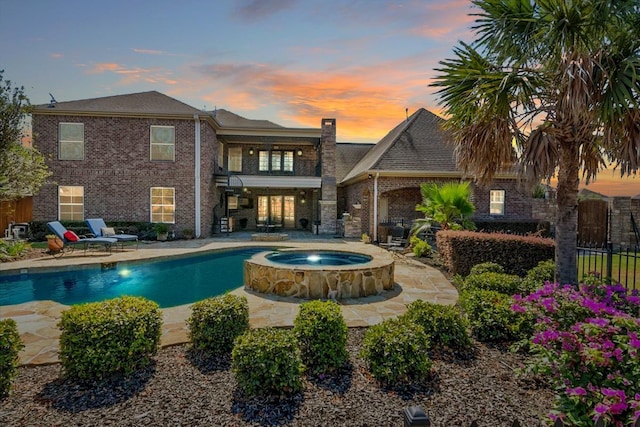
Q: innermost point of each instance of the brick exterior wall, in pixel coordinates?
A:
(117, 172)
(517, 204)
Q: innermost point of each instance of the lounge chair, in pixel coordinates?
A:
(59, 230)
(99, 229)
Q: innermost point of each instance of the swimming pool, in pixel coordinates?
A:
(169, 282)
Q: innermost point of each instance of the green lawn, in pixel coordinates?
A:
(623, 269)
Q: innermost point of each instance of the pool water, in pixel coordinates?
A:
(318, 258)
(169, 282)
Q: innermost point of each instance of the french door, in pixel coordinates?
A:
(277, 210)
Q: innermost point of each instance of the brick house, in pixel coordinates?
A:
(380, 183)
(148, 157)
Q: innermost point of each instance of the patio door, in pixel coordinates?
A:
(277, 210)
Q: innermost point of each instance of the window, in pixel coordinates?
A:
(163, 204)
(276, 161)
(163, 143)
(221, 155)
(71, 141)
(287, 161)
(235, 159)
(71, 203)
(496, 205)
(263, 160)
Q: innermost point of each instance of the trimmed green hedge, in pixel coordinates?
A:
(444, 324)
(461, 250)
(396, 351)
(321, 332)
(509, 284)
(491, 317)
(215, 323)
(545, 271)
(486, 267)
(116, 336)
(267, 361)
(10, 346)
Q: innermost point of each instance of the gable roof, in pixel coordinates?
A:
(416, 145)
(347, 155)
(143, 103)
(228, 119)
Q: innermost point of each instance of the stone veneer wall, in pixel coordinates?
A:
(318, 282)
(328, 204)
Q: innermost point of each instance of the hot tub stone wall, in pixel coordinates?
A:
(300, 282)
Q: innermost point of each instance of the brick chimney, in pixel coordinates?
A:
(328, 201)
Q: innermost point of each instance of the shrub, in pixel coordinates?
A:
(508, 284)
(13, 249)
(104, 338)
(396, 351)
(215, 323)
(420, 247)
(486, 267)
(443, 323)
(545, 271)
(322, 335)
(461, 250)
(10, 346)
(267, 361)
(491, 317)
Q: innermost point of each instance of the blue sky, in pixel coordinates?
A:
(289, 61)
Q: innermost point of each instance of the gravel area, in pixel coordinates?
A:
(181, 389)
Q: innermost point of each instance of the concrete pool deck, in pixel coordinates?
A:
(37, 320)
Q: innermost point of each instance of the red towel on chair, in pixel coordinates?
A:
(71, 236)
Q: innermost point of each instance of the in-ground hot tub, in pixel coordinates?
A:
(323, 274)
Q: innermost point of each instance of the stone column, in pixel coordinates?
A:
(328, 202)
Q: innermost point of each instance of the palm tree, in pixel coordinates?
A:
(448, 204)
(552, 87)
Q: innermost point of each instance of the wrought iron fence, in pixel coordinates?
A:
(612, 265)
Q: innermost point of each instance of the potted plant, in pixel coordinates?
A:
(54, 243)
(188, 233)
(162, 231)
(365, 238)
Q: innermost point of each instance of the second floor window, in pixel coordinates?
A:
(277, 161)
(163, 143)
(235, 159)
(71, 141)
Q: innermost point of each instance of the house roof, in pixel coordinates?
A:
(229, 119)
(145, 103)
(416, 145)
(347, 155)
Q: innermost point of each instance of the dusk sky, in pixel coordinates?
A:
(289, 61)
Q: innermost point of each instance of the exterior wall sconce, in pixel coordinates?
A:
(370, 176)
(299, 152)
(251, 151)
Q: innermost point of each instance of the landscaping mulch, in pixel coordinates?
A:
(186, 389)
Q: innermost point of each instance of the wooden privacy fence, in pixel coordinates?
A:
(593, 222)
(16, 211)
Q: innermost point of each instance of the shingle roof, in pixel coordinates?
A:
(229, 119)
(135, 103)
(415, 145)
(347, 155)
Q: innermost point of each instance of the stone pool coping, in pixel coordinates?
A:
(413, 280)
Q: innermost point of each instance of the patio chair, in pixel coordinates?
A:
(398, 239)
(99, 229)
(69, 241)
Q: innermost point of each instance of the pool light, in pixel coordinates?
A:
(313, 258)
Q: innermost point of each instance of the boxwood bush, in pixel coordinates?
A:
(215, 323)
(508, 284)
(10, 346)
(321, 332)
(444, 324)
(491, 317)
(419, 247)
(267, 361)
(116, 336)
(486, 267)
(396, 351)
(545, 271)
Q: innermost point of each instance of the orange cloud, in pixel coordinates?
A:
(135, 74)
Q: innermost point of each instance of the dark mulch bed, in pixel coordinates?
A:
(184, 389)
